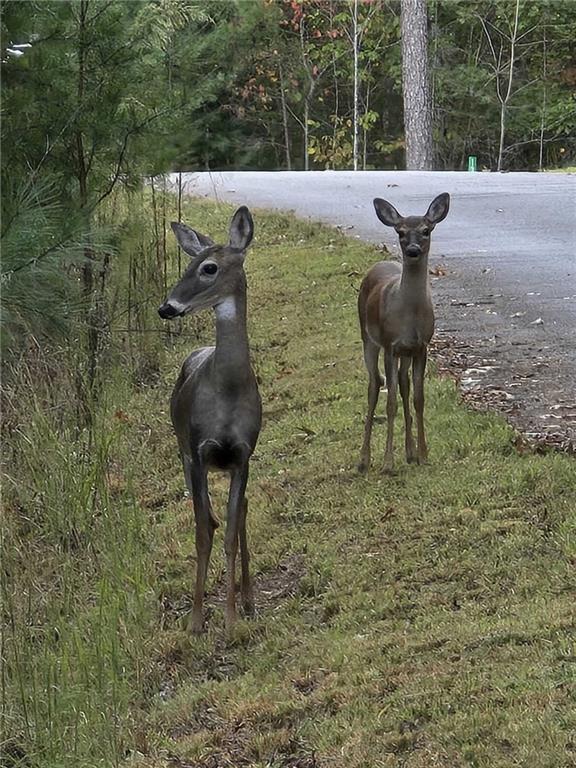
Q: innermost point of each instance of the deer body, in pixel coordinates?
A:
(396, 314)
(215, 407)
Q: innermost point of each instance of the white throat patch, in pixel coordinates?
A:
(226, 310)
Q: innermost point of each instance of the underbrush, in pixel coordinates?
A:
(416, 620)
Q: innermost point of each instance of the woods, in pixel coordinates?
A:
(98, 95)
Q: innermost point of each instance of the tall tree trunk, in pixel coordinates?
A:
(81, 166)
(356, 51)
(544, 94)
(416, 85)
(308, 94)
(365, 130)
(86, 385)
(306, 134)
(504, 99)
(284, 117)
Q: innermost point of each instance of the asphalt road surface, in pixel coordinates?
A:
(503, 271)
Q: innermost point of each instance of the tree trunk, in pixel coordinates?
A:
(284, 118)
(308, 94)
(365, 130)
(544, 94)
(506, 98)
(416, 85)
(306, 133)
(355, 47)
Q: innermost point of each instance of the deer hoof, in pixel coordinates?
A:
(248, 608)
(363, 466)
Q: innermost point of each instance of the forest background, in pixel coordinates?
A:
(98, 95)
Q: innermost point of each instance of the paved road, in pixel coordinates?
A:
(506, 258)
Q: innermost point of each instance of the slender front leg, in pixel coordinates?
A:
(235, 513)
(391, 368)
(197, 480)
(245, 583)
(404, 382)
(371, 353)
(418, 370)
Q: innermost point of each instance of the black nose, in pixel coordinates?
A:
(413, 250)
(167, 311)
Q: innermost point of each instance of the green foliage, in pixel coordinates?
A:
(471, 54)
(76, 568)
(104, 64)
(41, 244)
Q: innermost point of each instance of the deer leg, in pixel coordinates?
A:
(404, 382)
(233, 524)
(197, 480)
(245, 583)
(418, 370)
(391, 368)
(371, 353)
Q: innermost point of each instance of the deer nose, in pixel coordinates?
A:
(413, 250)
(167, 311)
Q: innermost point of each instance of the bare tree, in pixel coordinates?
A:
(503, 70)
(416, 85)
(356, 51)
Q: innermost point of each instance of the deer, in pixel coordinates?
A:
(396, 314)
(215, 408)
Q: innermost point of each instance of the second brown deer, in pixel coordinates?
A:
(396, 315)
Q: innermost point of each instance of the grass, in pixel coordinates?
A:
(425, 619)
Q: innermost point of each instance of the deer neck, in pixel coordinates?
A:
(414, 283)
(232, 355)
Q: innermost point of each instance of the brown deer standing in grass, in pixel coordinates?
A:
(216, 409)
(396, 314)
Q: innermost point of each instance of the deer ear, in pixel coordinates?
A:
(386, 212)
(189, 240)
(241, 229)
(439, 208)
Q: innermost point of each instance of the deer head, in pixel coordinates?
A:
(214, 270)
(414, 231)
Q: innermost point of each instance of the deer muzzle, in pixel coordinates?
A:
(167, 311)
(413, 250)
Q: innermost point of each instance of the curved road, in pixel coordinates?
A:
(505, 264)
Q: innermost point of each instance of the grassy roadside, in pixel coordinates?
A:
(421, 620)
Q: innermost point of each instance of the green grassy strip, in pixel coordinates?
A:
(424, 619)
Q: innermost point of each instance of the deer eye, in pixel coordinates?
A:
(209, 269)
(426, 232)
(401, 232)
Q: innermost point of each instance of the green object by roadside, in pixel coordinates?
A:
(471, 163)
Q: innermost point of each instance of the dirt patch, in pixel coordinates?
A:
(509, 347)
(271, 588)
(512, 387)
(233, 755)
(235, 744)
